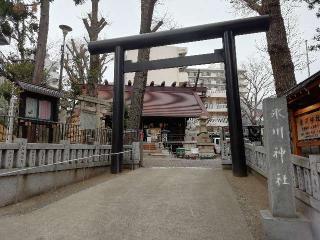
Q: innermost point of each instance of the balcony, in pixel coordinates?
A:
(217, 93)
(218, 122)
(217, 107)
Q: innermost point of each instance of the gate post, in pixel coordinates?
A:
(239, 166)
(117, 111)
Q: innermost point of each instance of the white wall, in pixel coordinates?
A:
(158, 76)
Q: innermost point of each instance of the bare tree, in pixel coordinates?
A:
(260, 85)
(140, 78)
(294, 36)
(77, 68)
(277, 42)
(94, 26)
(315, 4)
(77, 62)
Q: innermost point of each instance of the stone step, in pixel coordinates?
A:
(149, 146)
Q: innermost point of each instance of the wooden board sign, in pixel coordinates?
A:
(308, 126)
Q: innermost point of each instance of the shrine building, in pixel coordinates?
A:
(164, 108)
(304, 115)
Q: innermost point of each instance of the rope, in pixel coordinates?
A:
(67, 161)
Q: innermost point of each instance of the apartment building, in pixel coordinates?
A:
(213, 78)
(164, 75)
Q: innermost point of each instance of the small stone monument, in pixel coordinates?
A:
(91, 111)
(204, 143)
(190, 139)
(282, 222)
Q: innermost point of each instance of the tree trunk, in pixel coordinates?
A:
(38, 74)
(94, 59)
(140, 78)
(280, 56)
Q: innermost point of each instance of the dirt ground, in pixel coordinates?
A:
(252, 195)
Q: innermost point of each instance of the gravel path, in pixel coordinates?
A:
(149, 203)
(178, 162)
(252, 195)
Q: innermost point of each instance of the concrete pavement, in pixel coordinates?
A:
(154, 203)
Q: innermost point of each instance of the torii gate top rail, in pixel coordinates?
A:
(188, 34)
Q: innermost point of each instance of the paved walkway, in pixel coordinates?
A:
(149, 161)
(149, 203)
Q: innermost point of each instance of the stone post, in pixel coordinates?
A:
(96, 152)
(278, 150)
(315, 179)
(11, 113)
(22, 152)
(66, 150)
(8, 158)
(136, 152)
(282, 222)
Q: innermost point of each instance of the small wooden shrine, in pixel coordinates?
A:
(38, 111)
(304, 113)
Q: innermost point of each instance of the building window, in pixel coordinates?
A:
(44, 110)
(31, 108)
(38, 109)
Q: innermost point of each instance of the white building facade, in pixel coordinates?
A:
(158, 76)
(213, 78)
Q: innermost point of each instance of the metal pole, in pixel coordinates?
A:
(308, 61)
(239, 166)
(61, 61)
(118, 110)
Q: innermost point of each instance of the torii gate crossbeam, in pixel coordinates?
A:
(225, 30)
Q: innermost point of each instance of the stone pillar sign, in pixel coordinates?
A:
(277, 141)
(282, 221)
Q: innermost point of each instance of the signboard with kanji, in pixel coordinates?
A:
(308, 126)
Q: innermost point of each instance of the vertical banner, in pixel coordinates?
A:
(277, 144)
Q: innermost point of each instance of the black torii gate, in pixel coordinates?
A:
(225, 30)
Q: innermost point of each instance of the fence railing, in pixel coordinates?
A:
(42, 131)
(28, 169)
(306, 173)
(23, 155)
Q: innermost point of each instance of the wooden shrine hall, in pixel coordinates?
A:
(164, 108)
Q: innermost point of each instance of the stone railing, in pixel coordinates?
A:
(306, 173)
(306, 179)
(256, 158)
(28, 169)
(38, 156)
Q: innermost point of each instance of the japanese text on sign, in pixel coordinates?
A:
(279, 152)
(308, 126)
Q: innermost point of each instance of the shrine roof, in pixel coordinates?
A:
(163, 101)
(172, 104)
(39, 89)
(305, 93)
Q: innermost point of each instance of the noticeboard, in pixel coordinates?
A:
(308, 126)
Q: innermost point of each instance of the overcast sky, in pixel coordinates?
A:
(124, 18)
